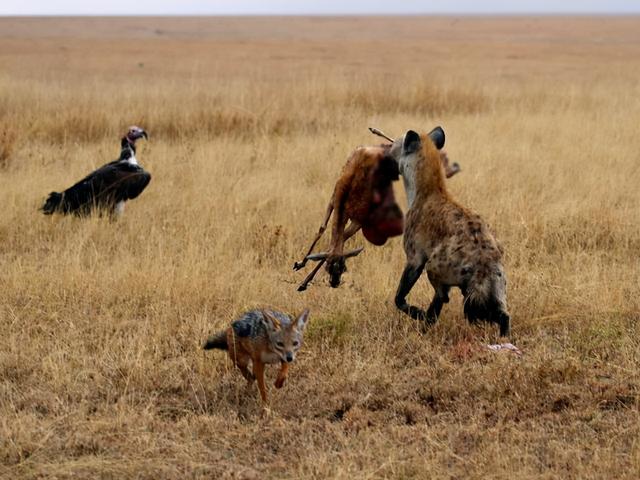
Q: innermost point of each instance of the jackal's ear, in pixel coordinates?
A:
(437, 137)
(270, 321)
(302, 319)
(411, 142)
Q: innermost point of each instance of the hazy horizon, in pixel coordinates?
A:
(326, 7)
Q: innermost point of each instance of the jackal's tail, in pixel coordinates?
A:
(52, 204)
(217, 340)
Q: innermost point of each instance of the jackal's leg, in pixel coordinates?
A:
(349, 232)
(282, 374)
(407, 281)
(241, 360)
(258, 371)
(323, 227)
(243, 365)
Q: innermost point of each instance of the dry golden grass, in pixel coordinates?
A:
(101, 371)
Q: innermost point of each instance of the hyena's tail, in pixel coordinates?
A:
(485, 300)
(217, 340)
(52, 204)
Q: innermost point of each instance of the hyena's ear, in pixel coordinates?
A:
(411, 142)
(437, 137)
(270, 321)
(302, 320)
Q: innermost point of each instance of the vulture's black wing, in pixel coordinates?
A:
(129, 181)
(114, 182)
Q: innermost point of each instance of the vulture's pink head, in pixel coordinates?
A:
(135, 133)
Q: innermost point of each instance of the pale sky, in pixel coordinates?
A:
(327, 7)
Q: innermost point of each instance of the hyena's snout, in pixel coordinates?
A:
(489, 309)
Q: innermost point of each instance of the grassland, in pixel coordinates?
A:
(101, 371)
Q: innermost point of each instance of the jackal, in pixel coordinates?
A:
(261, 337)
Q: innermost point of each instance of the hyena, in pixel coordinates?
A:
(452, 243)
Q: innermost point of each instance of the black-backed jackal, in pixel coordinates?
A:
(260, 337)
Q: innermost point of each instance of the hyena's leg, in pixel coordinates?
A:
(323, 227)
(439, 299)
(282, 374)
(258, 371)
(504, 321)
(407, 281)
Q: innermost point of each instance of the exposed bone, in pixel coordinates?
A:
(380, 133)
(505, 347)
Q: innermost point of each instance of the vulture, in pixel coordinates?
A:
(107, 188)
